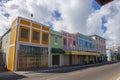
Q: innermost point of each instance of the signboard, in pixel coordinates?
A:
(103, 2)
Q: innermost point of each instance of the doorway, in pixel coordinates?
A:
(55, 60)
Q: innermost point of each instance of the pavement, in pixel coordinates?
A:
(101, 71)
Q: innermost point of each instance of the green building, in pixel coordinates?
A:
(56, 52)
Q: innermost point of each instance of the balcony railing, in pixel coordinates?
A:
(80, 49)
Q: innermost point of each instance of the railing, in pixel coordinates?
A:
(80, 49)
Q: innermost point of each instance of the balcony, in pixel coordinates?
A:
(74, 48)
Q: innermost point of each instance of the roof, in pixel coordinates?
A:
(97, 36)
(5, 33)
(103, 2)
(33, 21)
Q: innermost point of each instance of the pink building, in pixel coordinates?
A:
(69, 41)
(69, 44)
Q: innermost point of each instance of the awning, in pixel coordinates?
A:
(57, 50)
(82, 53)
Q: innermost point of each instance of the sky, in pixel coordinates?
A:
(84, 16)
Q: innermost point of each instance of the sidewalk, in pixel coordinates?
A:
(54, 70)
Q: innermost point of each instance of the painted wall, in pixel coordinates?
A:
(84, 42)
(5, 45)
(100, 44)
(54, 34)
(70, 38)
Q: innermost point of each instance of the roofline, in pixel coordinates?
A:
(97, 36)
(84, 35)
(5, 33)
(32, 20)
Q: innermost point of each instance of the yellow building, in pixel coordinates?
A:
(28, 45)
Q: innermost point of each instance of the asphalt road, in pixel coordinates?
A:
(104, 72)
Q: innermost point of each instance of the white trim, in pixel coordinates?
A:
(16, 46)
(49, 49)
(56, 43)
(30, 33)
(35, 28)
(11, 45)
(24, 25)
(33, 44)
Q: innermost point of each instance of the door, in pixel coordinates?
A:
(55, 60)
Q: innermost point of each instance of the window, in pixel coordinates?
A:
(64, 41)
(56, 40)
(90, 45)
(35, 35)
(74, 44)
(24, 33)
(45, 37)
(86, 44)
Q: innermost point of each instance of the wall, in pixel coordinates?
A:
(100, 44)
(85, 42)
(70, 38)
(5, 45)
(54, 34)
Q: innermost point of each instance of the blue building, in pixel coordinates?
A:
(85, 48)
(85, 42)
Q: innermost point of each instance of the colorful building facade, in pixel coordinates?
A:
(69, 45)
(29, 44)
(56, 51)
(100, 46)
(85, 47)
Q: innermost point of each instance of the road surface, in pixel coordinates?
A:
(104, 72)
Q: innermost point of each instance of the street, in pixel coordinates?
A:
(104, 72)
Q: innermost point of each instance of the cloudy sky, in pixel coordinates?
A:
(84, 16)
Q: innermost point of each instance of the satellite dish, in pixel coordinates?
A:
(103, 2)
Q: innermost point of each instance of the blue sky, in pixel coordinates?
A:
(57, 15)
(84, 16)
(96, 6)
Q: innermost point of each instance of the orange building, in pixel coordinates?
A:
(28, 45)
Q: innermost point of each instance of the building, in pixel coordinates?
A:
(78, 49)
(29, 44)
(87, 53)
(56, 52)
(26, 45)
(100, 46)
(111, 55)
(69, 44)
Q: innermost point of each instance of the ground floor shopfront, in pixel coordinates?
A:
(30, 57)
(79, 58)
(56, 57)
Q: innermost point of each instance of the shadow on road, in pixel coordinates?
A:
(11, 76)
(69, 68)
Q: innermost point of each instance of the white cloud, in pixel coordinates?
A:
(111, 12)
(76, 15)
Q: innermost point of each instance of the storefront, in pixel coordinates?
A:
(30, 57)
(56, 57)
(80, 58)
